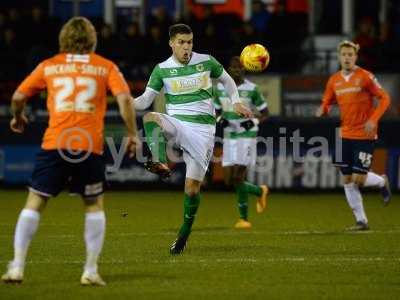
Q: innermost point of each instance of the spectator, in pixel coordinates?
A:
(108, 43)
(12, 66)
(259, 17)
(132, 46)
(366, 38)
(156, 47)
(160, 18)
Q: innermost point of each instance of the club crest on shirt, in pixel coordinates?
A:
(173, 71)
(200, 67)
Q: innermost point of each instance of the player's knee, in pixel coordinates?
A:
(347, 179)
(36, 202)
(93, 204)
(151, 117)
(359, 179)
(192, 189)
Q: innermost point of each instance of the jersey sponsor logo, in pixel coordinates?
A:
(348, 90)
(189, 84)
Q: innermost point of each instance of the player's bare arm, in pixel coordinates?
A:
(128, 114)
(320, 112)
(19, 120)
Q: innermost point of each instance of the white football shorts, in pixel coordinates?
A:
(196, 141)
(239, 151)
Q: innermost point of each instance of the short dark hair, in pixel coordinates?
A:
(179, 29)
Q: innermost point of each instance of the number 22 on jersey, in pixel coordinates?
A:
(67, 87)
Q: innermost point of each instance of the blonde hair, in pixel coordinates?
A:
(77, 36)
(348, 44)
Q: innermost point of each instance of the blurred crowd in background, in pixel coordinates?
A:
(29, 34)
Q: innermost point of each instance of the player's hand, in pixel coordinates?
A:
(133, 146)
(222, 121)
(249, 124)
(320, 112)
(17, 124)
(242, 110)
(370, 127)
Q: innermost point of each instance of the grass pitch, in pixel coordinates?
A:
(297, 249)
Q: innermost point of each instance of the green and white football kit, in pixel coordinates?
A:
(240, 145)
(190, 119)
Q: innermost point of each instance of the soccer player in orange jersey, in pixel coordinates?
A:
(76, 81)
(354, 90)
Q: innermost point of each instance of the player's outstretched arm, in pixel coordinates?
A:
(128, 114)
(145, 100)
(232, 91)
(19, 120)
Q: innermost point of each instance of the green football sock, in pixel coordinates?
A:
(253, 189)
(190, 204)
(243, 200)
(156, 141)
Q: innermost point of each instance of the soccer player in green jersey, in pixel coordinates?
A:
(240, 139)
(190, 119)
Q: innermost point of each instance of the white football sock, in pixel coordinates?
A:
(355, 201)
(95, 224)
(374, 180)
(26, 228)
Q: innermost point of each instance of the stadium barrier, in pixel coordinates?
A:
(292, 154)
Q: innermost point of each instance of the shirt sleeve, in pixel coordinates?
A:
(34, 82)
(145, 100)
(116, 82)
(376, 90)
(258, 100)
(217, 102)
(329, 96)
(155, 82)
(229, 86)
(216, 68)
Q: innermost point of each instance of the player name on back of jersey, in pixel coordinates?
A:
(85, 69)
